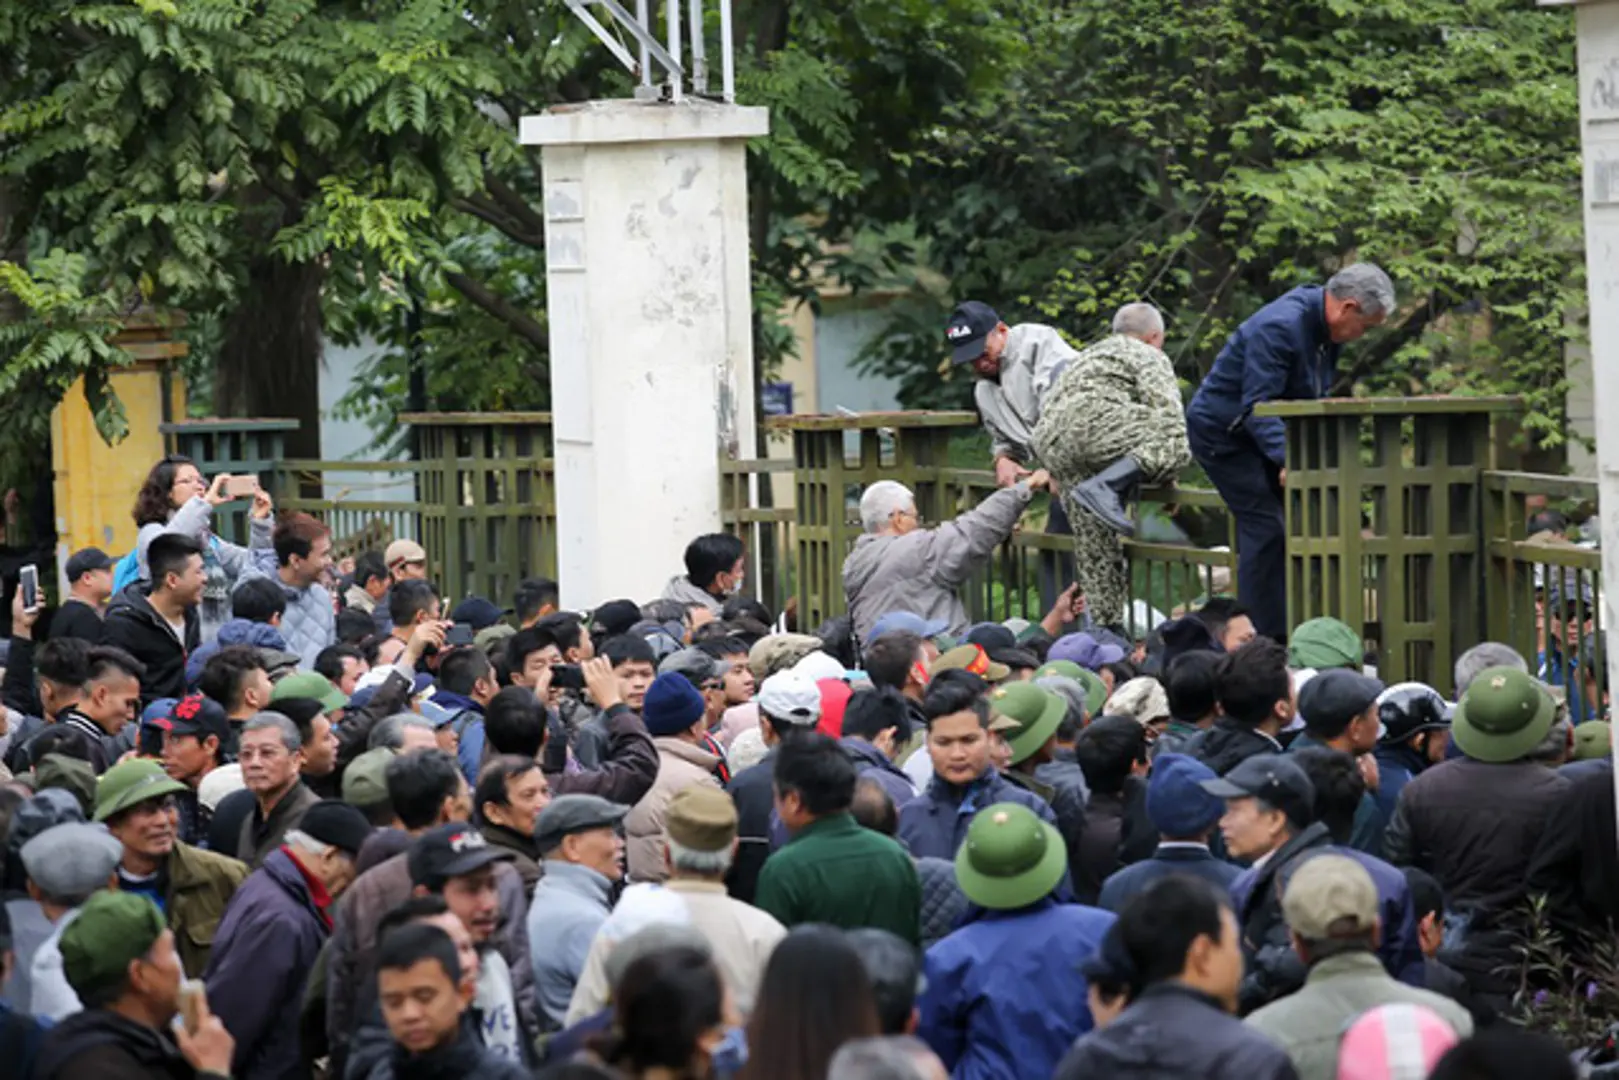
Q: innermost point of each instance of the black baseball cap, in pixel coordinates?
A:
(85, 560)
(1271, 777)
(450, 851)
(195, 715)
(969, 325)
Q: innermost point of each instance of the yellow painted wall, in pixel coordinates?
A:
(96, 483)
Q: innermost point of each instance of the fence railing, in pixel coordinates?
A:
(1403, 519)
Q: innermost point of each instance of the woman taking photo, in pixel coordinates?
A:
(175, 498)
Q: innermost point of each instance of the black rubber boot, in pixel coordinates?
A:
(1104, 495)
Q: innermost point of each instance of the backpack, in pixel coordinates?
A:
(125, 571)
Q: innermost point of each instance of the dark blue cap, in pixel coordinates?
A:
(969, 325)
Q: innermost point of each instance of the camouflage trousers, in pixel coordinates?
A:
(1077, 438)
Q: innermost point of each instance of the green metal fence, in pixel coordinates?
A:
(1544, 593)
(1403, 519)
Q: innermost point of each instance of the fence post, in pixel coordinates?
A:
(1386, 523)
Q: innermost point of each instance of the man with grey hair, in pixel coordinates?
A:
(272, 757)
(402, 733)
(891, 1057)
(1286, 351)
(701, 823)
(1111, 421)
(900, 566)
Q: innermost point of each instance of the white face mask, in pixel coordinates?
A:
(736, 585)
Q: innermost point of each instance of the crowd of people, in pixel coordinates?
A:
(265, 813)
(269, 816)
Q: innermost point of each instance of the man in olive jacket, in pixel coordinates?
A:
(190, 886)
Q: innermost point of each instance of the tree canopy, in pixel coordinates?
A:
(288, 171)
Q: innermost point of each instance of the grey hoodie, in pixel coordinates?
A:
(923, 570)
(680, 588)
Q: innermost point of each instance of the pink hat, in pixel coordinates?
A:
(1394, 1042)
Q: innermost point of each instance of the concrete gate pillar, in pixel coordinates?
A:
(648, 297)
(1598, 22)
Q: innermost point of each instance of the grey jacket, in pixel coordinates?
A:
(1309, 1024)
(1010, 405)
(310, 623)
(680, 588)
(570, 904)
(227, 564)
(923, 570)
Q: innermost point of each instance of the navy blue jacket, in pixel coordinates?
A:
(1396, 766)
(874, 763)
(263, 952)
(935, 822)
(754, 793)
(1282, 353)
(1172, 1031)
(1196, 861)
(1274, 969)
(1004, 997)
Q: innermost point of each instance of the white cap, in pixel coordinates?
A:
(790, 696)
(219, 783)
(817, 666)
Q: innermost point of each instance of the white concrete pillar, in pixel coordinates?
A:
(1599, 138)
(647, 278)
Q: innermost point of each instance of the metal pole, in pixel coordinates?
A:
(727, 66)
(699, 62)
(642, 17)
(672, 16)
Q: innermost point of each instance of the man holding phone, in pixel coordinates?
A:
(89, 587)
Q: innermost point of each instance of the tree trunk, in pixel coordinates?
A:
(269, 366)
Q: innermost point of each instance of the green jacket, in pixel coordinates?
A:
(836, 872)
(201, 883)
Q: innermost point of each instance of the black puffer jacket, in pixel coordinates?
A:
(101, 1044)
(1227, 744)
(1475, 826)
(1171, 1032)
(1273, 969)
(135, 626)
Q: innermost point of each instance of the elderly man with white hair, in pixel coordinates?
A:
(1287, 351)
(1112, 420)
(900, 566)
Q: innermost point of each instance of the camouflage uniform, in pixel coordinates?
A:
(1118, 398)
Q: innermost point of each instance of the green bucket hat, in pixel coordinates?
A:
(310, 684)
(1325, 643)
(1010, 858)
(111, 929)
(1095, 688)
(1593, 740)
(1504, 715)
(132, 782)
(1038, 712)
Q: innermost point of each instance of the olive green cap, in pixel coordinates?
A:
(1010, 859)
(1038, 713)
